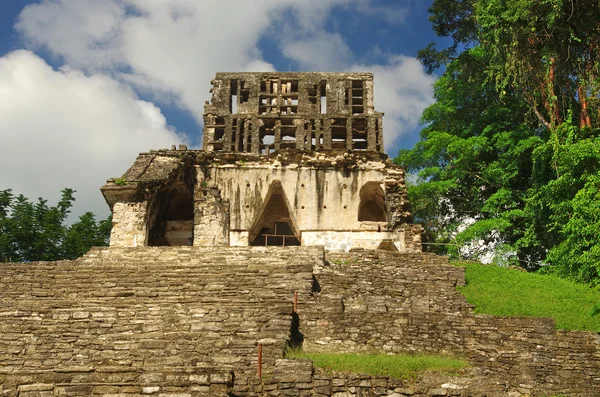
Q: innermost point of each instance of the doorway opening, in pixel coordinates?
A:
(372, 203)
(274, 225)
(173, 223)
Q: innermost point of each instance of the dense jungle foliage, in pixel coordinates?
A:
(38, 232)
(510, 154)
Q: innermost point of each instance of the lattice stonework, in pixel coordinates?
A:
(264, 112)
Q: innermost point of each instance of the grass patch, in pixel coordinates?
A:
(397, 366)
(506, 292)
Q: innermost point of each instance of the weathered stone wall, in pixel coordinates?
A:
(262, 112)
(165, 320)
(392, 302)
(186, 321)
(300, 378)
(211, 219)
(323, 195)
(404, 239)
(129, 225)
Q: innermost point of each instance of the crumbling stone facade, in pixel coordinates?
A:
(287, 159)
(265, 112)
(188, 322)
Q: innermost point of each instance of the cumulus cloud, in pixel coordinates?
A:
(402, 91)
(170, 49)
(402, 88)
(323, 52)
(61, 128)
(80, 124)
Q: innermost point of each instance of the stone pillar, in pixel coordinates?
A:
(209, 132)
(380, 133)
(239, 137)
(349, 142)
(129, 225)
(300, 133)
(277, 135)
(368, 96)
(255, 144)
(211, 219)
(371, 134)
(227, 135)
(247, 135)
(327, 134)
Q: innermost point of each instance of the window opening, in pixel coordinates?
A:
(244, 92)
(234, 104)
(372, 203)
(240, 140)
(323, 92)
(267, 134)
(234, 99)
(357, 97)
(312, 94)
(274, 226)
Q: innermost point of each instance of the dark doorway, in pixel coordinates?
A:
(274, 226)
(174, 217)
(372, 203)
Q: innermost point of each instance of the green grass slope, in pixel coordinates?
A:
(507, 292)
(400, 366)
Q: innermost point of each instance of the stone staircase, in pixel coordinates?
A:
(187, 322)
(390, 302)
(364, 292)
(185, 319)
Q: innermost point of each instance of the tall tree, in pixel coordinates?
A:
(511, 141)
(474, 157)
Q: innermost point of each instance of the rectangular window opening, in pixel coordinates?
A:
(240, 141)
(359, 144)
(219, 134)
(312, 94)
(323, 94)
(244, 92)
(323, 105)
(233, 88)
(234, 104)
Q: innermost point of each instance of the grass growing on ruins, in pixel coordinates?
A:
(507, 292)
(401, 366)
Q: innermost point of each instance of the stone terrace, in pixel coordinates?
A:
(380, 301)
(176, 319)
(185, 322)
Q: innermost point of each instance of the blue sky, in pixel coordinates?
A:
(85, 85)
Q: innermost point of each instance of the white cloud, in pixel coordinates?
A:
(392, 14)
(402, 91)
(171, 49)
(323, 52)
(61, 128)
(81, 124)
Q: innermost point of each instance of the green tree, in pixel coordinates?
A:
(512, 139)
(547, 50)
(86, 233)
(37, 232)
(474, 158)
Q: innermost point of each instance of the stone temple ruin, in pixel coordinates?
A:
(290, 229)
(287, 159)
